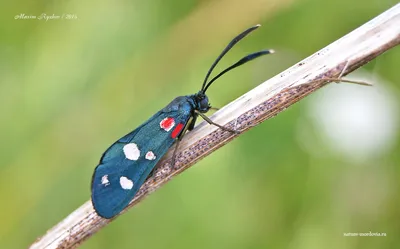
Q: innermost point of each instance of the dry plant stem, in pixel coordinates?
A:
(261, 103)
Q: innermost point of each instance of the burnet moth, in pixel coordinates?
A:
(127, 163)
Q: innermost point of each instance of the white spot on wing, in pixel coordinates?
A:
(150, 155)
(104, 180)
(131, 151)
(125, 183)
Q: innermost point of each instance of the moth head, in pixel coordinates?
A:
(202, 104)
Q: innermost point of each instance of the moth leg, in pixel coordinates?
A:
(192, 122)
(178, 140)
(171, 166)
(189, 126)
(214, 108)
(213, 123)
(151, 173)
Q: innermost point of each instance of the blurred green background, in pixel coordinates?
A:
(69, 88)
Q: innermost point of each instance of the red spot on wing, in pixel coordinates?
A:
(177, 130)
(167, 123)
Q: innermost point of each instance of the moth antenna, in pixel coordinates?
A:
(242, 61)
(227, 48)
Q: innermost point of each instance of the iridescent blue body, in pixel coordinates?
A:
(108, 197)
(127, 163)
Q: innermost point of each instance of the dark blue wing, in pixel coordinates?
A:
(128, 162)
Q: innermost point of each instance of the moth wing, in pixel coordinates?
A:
(128, 162)
(112, 151)
(114, 187)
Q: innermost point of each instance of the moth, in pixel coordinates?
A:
(128, 162)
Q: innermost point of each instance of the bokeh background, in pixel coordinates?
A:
(329, 165)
